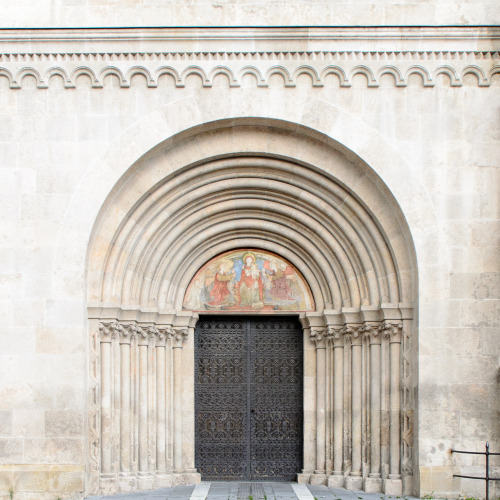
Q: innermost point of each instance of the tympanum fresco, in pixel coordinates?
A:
(247, 279)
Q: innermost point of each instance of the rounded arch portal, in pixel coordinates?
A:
(290, 191)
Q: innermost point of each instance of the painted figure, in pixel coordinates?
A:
(220, 293)
(249, 288)
(240, 280)
(280, 276)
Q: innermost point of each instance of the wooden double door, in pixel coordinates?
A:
(248, 398)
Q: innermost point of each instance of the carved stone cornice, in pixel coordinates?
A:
(145, 335)
(157, 53)
(257, 39)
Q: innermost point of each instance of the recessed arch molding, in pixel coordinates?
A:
(287, 191)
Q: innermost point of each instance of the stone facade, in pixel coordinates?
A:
(366, 157)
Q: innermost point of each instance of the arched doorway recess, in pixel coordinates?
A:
(283, 189)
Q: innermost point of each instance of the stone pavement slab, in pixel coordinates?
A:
(240, 490)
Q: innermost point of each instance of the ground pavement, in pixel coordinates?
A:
(223, 490)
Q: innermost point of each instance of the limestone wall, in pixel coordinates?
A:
(70, 127)
(105, 13)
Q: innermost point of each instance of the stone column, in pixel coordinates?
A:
(125, 481)
(107, 332)
(355, 481)
(393, 485)
(319, 337)
(179, 335)
(373, 483)
(145, 479)
(163, 479)
(336, 338)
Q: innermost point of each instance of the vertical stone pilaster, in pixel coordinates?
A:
(373, 483)
(108, 333)
(355, 481)
(336, 339)
(393, 484)
(318, 335)
(126, 337)
(179, 335)
(161, 409)
(145, 478)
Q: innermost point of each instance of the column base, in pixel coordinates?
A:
(393, 486)
(182, 478)
(407, 485)
(336, 480)
(107, 484)
(126, 482)
(353, 482)
(163, 480)
(145, 481)
(318, 478)
(304, 477)
(372, 485)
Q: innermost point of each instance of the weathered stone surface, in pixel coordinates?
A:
(400, 122)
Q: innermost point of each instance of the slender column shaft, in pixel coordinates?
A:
(395, 348)
(338, 406)
(356, 405)
(152, 407)
(320, 408)
(177, 355)
(375, 406)
(125, 455)
(143, 407)
(106, 406)
(161, 410)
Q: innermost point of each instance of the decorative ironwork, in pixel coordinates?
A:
(248, 398)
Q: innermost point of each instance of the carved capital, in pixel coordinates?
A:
(128, 333)
(146, 335)
(109, 331)
(178, 335)
(354, 332)
(335, 336)
(393, 330)
(163, 335)
(372, 332)
(318, 335)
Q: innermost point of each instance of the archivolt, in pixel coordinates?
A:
(219, 188)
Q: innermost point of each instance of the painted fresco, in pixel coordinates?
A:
(248, 280)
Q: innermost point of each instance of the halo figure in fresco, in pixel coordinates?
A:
(248, 280)
(249, 287)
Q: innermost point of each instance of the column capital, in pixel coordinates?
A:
(179, 335)
(372, 332)
(355, 333)
(110, 331)
(335, 335)
(318, 335)
(146, 335)
(393, 330)
(164, 334)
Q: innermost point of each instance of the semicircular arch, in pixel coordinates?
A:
(210, 190)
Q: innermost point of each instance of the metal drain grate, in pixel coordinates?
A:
(254, 490)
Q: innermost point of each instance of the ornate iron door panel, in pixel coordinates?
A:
(248, 398)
